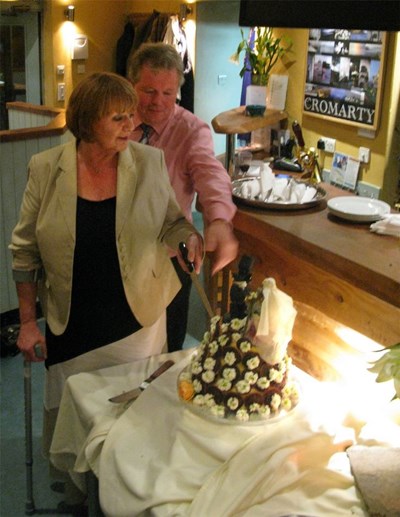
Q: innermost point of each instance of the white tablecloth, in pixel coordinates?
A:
(158, 458)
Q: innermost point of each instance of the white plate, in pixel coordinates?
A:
(356, 208)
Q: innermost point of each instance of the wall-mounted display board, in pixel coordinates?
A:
(344, 76)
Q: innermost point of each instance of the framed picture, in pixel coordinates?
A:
(344, 76)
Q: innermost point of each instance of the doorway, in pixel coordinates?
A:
(20, 77)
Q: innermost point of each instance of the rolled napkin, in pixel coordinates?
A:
(250, 189)
(388, 225)
(255, 168)
(266, 179)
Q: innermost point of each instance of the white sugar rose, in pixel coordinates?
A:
(264, 410)
(196, 367)
(253, 363)
(236, 336)
(232, 403)
(209, 400)
(275, 401)
(223, 340)
(251, 377)
(206, 337)
(243, 386)
(224, 384)
(213, 347)
(230, 358)
(255, 407)
(263, 383)
(242, 415)
(209, 363)
(224, 328)
(245, 346)
(218, 411)
(197, 386)
(286, 404)
(208, 376)
(237, 324)
(273, 374)
(229, 374)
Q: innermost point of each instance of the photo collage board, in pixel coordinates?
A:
(344, 75)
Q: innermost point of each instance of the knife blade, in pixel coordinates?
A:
(127, 396)
(195, 279)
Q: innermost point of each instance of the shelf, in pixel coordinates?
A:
(235, 121)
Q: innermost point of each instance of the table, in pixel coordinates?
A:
(157, 456)
(235, 121)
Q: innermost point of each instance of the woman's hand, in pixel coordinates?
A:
(29, 338)
(194, 246)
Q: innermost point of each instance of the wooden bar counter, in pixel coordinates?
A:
(339, 273)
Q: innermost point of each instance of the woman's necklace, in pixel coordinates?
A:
(96, 180)
(98, 168)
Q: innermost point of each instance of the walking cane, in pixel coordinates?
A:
(30, 503)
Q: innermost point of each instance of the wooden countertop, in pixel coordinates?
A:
(346, 249)
(235, 121)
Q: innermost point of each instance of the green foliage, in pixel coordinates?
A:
(388, 368)
(264, 55)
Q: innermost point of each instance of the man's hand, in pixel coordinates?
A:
(221, 241)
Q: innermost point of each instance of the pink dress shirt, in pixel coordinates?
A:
(192, 166)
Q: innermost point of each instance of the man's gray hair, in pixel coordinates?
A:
(157, 56)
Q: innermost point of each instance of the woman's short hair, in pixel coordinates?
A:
(95, 97)
(157, 56)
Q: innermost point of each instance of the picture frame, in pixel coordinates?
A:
(344, 76)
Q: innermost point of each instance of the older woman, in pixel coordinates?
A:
(96, 218)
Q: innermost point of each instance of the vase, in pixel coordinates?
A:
(259, 80)
(256, 100)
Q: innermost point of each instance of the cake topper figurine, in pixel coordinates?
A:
(239, 289)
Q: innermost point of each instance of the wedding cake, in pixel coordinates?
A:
(241, 369)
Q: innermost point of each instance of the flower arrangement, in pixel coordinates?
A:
(388, 368)
(263, 55)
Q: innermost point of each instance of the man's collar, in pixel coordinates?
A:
(158, 128)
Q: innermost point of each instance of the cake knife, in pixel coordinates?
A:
(130, 395)
(183, 249)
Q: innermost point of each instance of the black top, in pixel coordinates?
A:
(100, 313)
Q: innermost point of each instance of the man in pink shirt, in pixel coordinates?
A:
(156, 72)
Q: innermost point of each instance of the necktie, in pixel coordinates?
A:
(146, 133)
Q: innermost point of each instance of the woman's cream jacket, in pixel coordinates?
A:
(148, 219)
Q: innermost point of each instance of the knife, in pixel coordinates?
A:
(183, 249)
(127, 396)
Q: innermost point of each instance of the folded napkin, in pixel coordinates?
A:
(388, 225)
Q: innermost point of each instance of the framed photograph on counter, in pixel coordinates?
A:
(344, 76)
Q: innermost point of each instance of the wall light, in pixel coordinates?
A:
(184, 11)
(70, 13)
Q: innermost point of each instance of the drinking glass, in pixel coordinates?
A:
(244, 161)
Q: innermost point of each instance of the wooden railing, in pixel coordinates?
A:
(28, 121)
